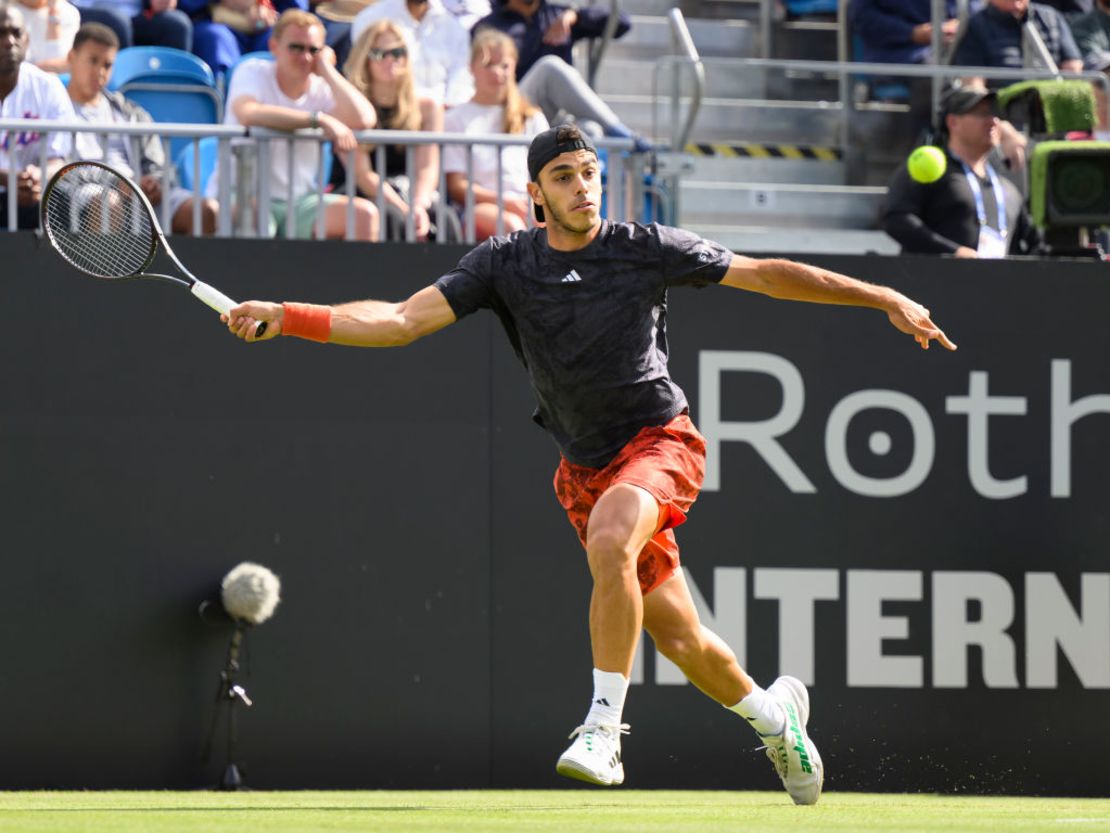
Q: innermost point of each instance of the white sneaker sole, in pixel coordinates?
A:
(570, 768)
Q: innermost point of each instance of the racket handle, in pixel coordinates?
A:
(220, 303)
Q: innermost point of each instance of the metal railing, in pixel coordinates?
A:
(599, 46)
(245, 204)
(848, 68)
(685, 56)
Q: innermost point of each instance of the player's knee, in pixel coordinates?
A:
(609, 555)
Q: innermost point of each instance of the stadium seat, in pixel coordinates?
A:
(159, 65)
(185, 103)
(187, 171)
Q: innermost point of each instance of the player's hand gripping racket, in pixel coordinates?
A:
(103, 225)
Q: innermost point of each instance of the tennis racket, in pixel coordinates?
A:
(103, 225)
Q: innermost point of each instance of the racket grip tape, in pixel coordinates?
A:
(220, 302)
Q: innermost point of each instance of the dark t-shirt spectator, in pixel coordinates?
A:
(940, 217)
(1092, 33)
(1071, 9)
(528, 34)
(993, 38)
(884, 29)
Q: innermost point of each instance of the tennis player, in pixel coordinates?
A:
(584, 304)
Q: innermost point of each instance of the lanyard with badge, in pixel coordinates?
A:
(992, 243)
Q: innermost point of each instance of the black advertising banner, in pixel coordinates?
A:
(918, 535)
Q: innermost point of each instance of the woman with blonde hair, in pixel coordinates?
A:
(379, 67)
(497, 107)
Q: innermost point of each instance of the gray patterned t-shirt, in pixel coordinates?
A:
(590, 326)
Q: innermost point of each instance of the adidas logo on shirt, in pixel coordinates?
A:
(571, 277)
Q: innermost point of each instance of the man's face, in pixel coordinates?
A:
(13, 40)
(977, 128)
(90, 67)
(296, 51)
(1017, 8)
(571, 188)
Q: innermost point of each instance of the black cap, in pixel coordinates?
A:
(566, 138)
(960, 100)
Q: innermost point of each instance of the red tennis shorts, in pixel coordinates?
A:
(667, 461)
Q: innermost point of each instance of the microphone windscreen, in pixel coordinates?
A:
(251, 592)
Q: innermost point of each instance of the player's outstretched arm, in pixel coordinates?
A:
(357, 324)
(792, 281)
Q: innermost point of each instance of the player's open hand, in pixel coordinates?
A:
(913, 319)
(243, 320)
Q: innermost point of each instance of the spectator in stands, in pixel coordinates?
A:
(544, 34)
(379, 68)
(1071, 9)
(224, 30)
(439, 47)
(1092, 31)
(898, 31)
(51, 26)
(539, 28)
(27, 92)
(993, 36)
(971, 211)
(497, 107)
(301, 88)
(141, 22)
(142, 157)
(467, 12)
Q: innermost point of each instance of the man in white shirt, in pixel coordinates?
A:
(26, 92)
(439, 47)
(301, 88)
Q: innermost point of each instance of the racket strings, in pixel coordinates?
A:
(98, 222)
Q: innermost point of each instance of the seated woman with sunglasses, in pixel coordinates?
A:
(497, 107)
(379, 68)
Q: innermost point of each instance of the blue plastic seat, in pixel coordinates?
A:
(186, 103)
(187, 171)
(159, 65)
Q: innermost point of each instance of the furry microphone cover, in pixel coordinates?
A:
(251, 592)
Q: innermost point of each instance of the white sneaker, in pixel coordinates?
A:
(595, 755)
(794, 755)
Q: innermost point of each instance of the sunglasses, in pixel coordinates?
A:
(301, 48)
(397, 53)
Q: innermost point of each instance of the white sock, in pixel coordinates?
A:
(762, 711)
(608, 700)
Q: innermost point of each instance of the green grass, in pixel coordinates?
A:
(616, 811)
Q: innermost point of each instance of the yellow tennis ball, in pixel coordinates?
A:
(927, 164)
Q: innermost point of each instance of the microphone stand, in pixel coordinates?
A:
(231, 693)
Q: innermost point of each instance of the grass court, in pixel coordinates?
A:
(537, 811)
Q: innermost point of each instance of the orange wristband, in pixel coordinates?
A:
(311, 321)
